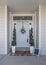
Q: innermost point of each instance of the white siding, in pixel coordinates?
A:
(43, 29)
(2, 29)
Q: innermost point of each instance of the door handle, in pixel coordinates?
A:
(27, 40)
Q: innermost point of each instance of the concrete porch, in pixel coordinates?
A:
(22, 60)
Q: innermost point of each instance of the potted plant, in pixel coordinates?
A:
(31, 41)
(14, 40)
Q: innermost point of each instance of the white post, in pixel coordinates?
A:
(5, 29)
(39, 29)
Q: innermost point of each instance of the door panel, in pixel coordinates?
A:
(22, 39)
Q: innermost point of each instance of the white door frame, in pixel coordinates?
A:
(34, 22)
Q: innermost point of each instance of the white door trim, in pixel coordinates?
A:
(33, 15)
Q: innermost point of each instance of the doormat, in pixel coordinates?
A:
(21, 53)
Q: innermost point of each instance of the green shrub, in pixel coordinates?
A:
(14, 37)
(31, 40)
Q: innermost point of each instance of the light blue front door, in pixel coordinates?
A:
(22, 39)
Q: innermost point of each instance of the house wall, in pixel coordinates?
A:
(3, 29)
(6, 28)
(42, 29)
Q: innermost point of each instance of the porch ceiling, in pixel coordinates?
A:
(22, 5)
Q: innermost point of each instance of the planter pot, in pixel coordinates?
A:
(32, 50)
(13, 49)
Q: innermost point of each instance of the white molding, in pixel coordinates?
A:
(11, 21)
(5, 29)
(34, 25)
(39, 29)
(10, 27)
(23, 14)
(35, 29)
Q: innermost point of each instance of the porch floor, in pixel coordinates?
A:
(23, 60)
